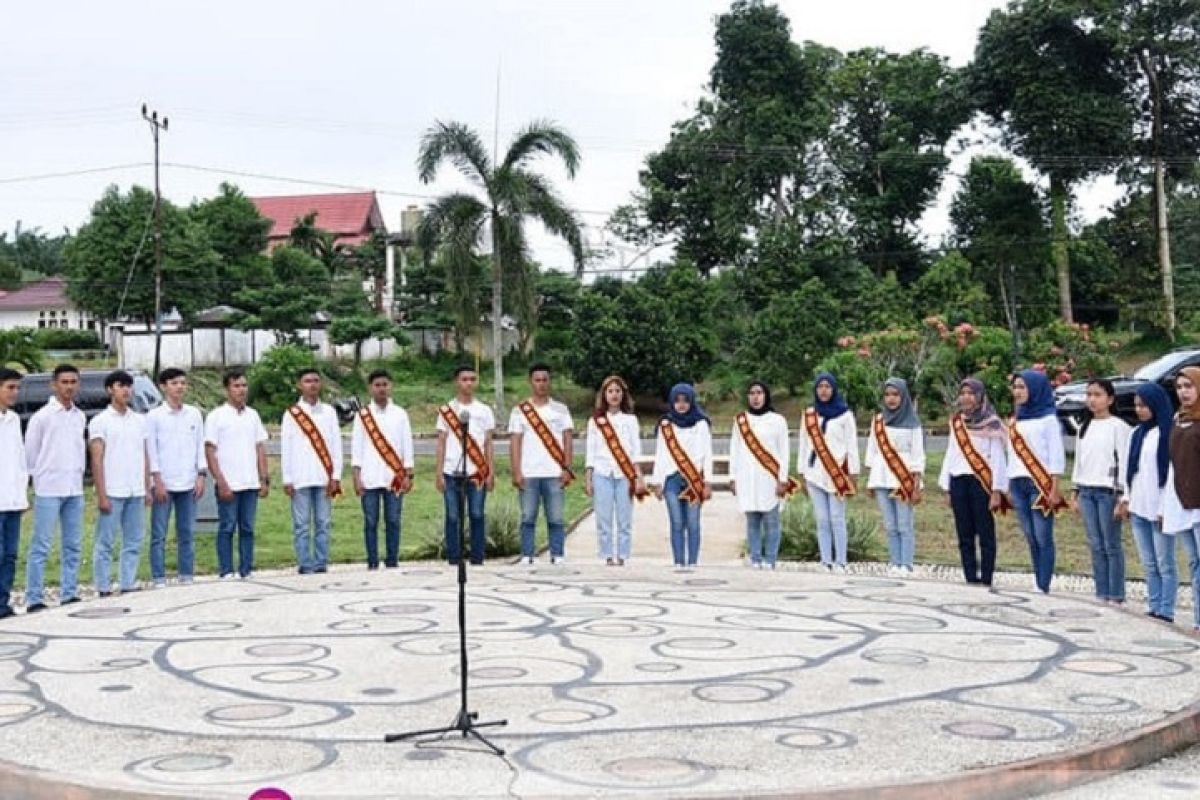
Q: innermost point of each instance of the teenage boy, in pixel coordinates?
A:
(311, 462)
(14, 479)
(177, 471)
(541, 449)
(473, 472)
(381, 454)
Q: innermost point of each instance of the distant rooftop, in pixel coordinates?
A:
(352, 217)
(48, 293)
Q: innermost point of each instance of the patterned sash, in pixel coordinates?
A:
(907, 489)
(693, 493)
(837, 473)
(482, 470)
(761, 454)
(383, 447)
(553, 447)
(1037, 471)
(309, 428)
(977, 463)
(624, 463)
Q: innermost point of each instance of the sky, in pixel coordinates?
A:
(307, 96)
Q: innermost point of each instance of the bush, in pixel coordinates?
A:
(66, 339)
(799, 541)
(273, 379)
(1067, 351)
(503, 534)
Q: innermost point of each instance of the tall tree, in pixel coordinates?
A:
(239, 236)
(299, 287)
(31, 250)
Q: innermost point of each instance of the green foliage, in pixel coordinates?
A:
(949, 290)
(238, 234)
(67, 339)
(32, 251)
(299, 287)
(799, 540)
(356, 330)
(273, 379)
(787, 338)
(503, 526)
(1071, 351)
(10, 273)
(18, 348)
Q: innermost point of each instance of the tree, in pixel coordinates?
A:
(791, 335)
(298, 289)
(358, 329)
(10, 273)
(33, 251)
(238, 234)
(949, 290)
(18, 347)
(511, 192)
(319, 243)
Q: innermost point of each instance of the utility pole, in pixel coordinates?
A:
(156, 126)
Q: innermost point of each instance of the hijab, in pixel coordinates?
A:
(904, 415)
(694, 413)
(766, 406)
(836, 405)
(1191, 414)
(983, 420)
(1155, 397)
(1041, 396)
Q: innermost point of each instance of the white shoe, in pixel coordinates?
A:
(839, 569)
(186, 580)
(558, 561)
(530, 560)
(828, 567)
(894, 570)
(907, 572)
(158, 585)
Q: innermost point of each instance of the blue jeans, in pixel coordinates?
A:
(685, 523)
(1104, 538)
(1038, 529)
(538, 492)
(900, 527)
(613, 501)
(312, 517)
(10, 540)
(1157, 551)
(973, 520)
(68, 512)
(184, 503)
(237, 514)
(829, 510)
(392, 505)
(127, 512)
(763, 527)
(1191, 544)
(476, 497)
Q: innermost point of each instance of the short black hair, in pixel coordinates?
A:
(539, 367)
(300, 373)
(63, 369)
(232, 375)
(170, 374)
(377, 374)
(8, 374)
(459, 370)
(118, 377)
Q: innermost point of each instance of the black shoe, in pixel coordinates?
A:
(305, 571)
(6, 612)
(321, 570)
(36, 607)
(372, 566)
(390, 564)
(476, 563)
(70, 601)
(453, 563)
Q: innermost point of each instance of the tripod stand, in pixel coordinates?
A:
(465, 722)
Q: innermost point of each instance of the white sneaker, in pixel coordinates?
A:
(894, 570)
(907, 572)
(839, 569)
(558, 561)
(828, 567)
(158, 585)
(530, 560)
(186, 580)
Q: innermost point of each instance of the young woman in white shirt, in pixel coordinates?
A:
(1098, 480)
(902, 428)
(835, 427)
(606, 466)
(692, 430)
(760, 492)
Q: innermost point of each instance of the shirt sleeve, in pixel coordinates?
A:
(590, 451)
(851, 429)
(706, 452)
(151, 429)
(1057, 454)
(201, 461)
(872, 448)
(406, 442)
(997, 456)
(333, 438)
(784, 445)
(516, 421)
(95, 428)
(944, 472)
(636, 452)
(1124, 432)
(737, 449)
(917, 462)
(1079, 454)
(33, 442)
(802, 446)
(662, 460)
(357, 440)
(287, 446)
(262, 429)
(210, 428)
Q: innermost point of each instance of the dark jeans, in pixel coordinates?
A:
(238, 513)
(1038, 529)
(10, 540)
(392, 504)
(973, 521)
(476, 497)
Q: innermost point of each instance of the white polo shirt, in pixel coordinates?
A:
(393, 424)
(298, 459)
(55, 450)
(14, 474)
(236, 435)
(482, 423)
(535, 458)
(124, 437)
(176, 438)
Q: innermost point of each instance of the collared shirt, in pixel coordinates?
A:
(236, 436)
(55, 450)
(14, 474)
(482, 423)
(535, 458)
(176, 438)
(124, 437)
(991, 448)
(755, 486)
(393, 424)
(696, 441)
(841, 436)
(298, 459)
(599, 458)
(909, 444)
(1044, 436)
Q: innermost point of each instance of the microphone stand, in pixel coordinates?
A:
(466, 722)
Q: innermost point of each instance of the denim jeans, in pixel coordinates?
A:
(312, 517)
(68, 512)
(10, 541)
(392, 504)
(1104, 538)
(1038, 529)
(476, 497)
(128, 514)
(538, 492)
(900, 526)
(1191, 545)
(973, 520)
(184, 504)
(613, 503)
(685, 523)
(829, 510)
(1157, 551)
(237, 514)
(763, 528)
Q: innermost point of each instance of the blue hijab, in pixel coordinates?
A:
(836, 405)
(1041, 396)
(694, 413)
(1155, 397)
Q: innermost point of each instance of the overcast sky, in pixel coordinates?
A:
(340, 92)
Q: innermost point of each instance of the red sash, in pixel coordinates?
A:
(693, 492)
(624, 463)
(553, 447)
(1037, 471)
(761, 454)
(383, 447)
(977, 463)
(310, 431)
(482, 470)
(907, 489)
(839, 474)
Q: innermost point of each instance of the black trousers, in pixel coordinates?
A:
(972, 521)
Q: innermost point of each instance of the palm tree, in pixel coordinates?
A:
(17, 346)
(510, 193)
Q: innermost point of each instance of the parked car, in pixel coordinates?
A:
(91, 399)
(1071, 398)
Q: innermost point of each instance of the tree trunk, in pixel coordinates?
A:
(1008, 299)
(497, 316)
(1058, 245)
(1161, 227)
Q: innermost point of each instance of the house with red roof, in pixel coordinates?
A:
(44, 304)
(352, 217)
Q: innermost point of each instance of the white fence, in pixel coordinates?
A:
(225, 347)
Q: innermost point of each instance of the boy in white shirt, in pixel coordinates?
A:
(177, 471)
(541, 449)
(14, 480)
(311, 463)
(381, 455)
(472, 473)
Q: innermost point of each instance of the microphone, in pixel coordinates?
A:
(464, 419)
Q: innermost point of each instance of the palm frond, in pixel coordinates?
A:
(458, 143)
(531, 194)
(542, 137)
(453, 221)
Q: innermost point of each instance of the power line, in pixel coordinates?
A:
(45, 176)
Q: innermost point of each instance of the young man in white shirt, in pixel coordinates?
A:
(177, 472)
(458, 472)
(235, 448)
(311, 462)
(541, 455)
(121, 476)
(14, 480)
(55, 451)
(381, 455)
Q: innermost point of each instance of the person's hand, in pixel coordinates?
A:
(333, 488)
(225, 494)
(264, 489)
(565, 478)
(587, 486)
(440, 482)
(707, 493)
(149, 497)
(289, 490)
(657, 490)
(360, 490)
(1121, 512)
(781, 489)
(160, 491)
(518, 481)
(639, 487)
(198, 492)
(951, 505)
(1056, 498)
(1073, 502)
(490, 483)
(733, 488)
(996, 502)
(917, 496)
(406, 485)
(103, 504)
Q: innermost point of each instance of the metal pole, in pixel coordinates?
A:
(155, 127)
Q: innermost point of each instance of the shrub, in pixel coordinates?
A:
(66, 339)
(1067, 351)
(503, 534)
(799, 541)
(273, 379)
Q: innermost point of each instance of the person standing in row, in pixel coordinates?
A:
(117, 442)
(896, 460)
(1036, 459)
(541, 448)
(235, 448)
(177, 470)
(1149, 466)
(758, 470)
(1098, 481)
(468, 474)
(683, 471)
(310, 460)
(14, 479)
(55, 451)
(975, 478)
(612, 479)
(381, 456)
(1181, 500)
(828, 461)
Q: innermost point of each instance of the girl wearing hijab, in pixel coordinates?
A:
(1181, 498)
(1149, 467)
(975, 476)
(683, 471)
(614, 446)
(758, 468)
(828, 460)
(1033, 480)
(896, 463)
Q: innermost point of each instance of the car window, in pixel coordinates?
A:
(145, 394)
(1165, 365)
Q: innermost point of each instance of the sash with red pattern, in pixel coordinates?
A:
(624, 463)
(383, 447)
(546, 436)
(761, 454)
(838, 473)
(309, 428)
(1037, 471)
(693, 492)
(474, 452)
(907, 489)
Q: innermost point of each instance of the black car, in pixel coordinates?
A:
(91, 399)
(1071, 398)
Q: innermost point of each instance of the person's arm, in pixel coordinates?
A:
(439, 459)
(706, 457)
(591, 445)
(917, 460)
(146, 484)
(662, 463)
(201, 459)
(944, 472)
(568, 448)
(406, 450)
(516, 436)
(153, 460)
(264, 474)
(872, 451)
(34, 436)
(332, 432)
(997, 458)
(784, 443)
(96, 451)
(802, 449)
(1124, 433)
(489, 454)
(737, 458)
(357, 440)
(851, 431)
(287, 453)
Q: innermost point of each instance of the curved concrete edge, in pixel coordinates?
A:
(22, 783)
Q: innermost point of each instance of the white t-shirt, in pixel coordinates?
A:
(535, 458)
(124, 436)
(993, 450)
(176, 440)
(599, 458)
(236, 436)
(14, 475)
(393, 424)
(755, 486)
(1100, 456)
(482, 423)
